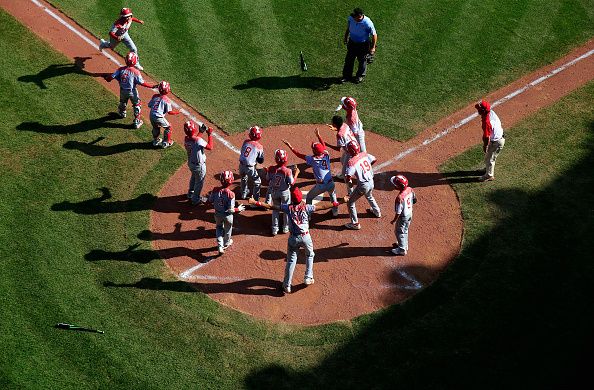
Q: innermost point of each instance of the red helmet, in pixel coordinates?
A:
(125, 12)
(131, 58)
(280, 156)
(226, 178)
(399, 181)
(296, 195)
(353, 148)
(190, 128)
(318, 148)
(255, 133)
(483, 106)
(164, 87)
(348, 103)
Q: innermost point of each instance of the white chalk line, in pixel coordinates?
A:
(212, 278)
(464, 121)
(115, 61)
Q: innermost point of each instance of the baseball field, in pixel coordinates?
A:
(83, 193)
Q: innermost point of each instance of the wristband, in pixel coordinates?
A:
(259, 204)
(335, 204)
(236, 210)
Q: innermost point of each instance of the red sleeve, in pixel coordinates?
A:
(210, 144)
(113, 35)
(300, 155)
(135, 19)
(487, 128)
(145, 84)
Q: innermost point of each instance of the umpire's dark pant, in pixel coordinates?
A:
(355, 50)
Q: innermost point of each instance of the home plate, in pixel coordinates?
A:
(315, 200)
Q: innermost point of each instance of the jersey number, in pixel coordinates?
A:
(365, 166)
(247, 151)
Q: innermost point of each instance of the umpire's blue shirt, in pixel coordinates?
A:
(360, 32)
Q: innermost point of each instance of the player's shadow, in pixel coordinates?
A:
(80, 127)
(177, 234)
(421, 179)
(57, 70)
(94, 150)
(255, 286)
(337, 252)
(288, 82)
(145, 256)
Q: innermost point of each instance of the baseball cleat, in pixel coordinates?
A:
(189, 195)
(102, 44)
(166, 144)
(353, 226)
(221, 250)
(359, 80)
(274, 233)
(486, 178)
(399, 252)
(157, 141)
(285, 230)
(286, 289)
(308, 281)
(138, 123)
(122, 114)
(227, 245)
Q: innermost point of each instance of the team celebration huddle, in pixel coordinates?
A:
(291, 212)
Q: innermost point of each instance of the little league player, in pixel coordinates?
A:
(359, 167)
(493, 138)
(223, 201)
(319, 161)
(160, 106)
(344, 135)
(299, 214)
(129, 78)
(252, 153)
(280, 179)
(195, 146)
(404, 210)
(349, 104)
(119, 33)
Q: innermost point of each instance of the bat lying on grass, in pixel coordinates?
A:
(63, 325)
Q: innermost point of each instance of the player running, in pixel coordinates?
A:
(319, 161)
(119, 33)
(129, 77)
(359, 167)
(160, 106)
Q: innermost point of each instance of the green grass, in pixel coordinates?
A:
(238, 61)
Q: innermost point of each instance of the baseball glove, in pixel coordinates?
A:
(202, 128)
(370, 58)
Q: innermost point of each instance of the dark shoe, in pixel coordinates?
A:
(343, 80)
(359, 80)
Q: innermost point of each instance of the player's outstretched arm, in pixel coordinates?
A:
(238, 209)
(267, 206)
(295, 152)
(329, 205)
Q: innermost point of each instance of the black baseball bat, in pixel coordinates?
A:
(63, 325)
(303, 64)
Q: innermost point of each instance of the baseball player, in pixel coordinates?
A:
(223, 201)
(349, 104)
(195, 146)
(493, 138)
(252, 153)
(129, 78)
(359, 167)
(403, 206)
(119, 33)
(280, 179)
(319, 161)
(299, 215)
(344, 135)
(160, 106)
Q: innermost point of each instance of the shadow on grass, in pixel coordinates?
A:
(58, 70)
(288, 82)
(255, 286)
(145, 256)
(86, 125)
(94, 150)
(421, 179)
(513, 311)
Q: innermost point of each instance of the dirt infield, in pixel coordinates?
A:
(353, 271)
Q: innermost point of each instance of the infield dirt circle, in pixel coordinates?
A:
(354, 272)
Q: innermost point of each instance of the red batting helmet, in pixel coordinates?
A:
(125, 12)
(226, 178)
(318, 148)
(190, 128)
(348, 103)
(353, 148)
(131, 58)
(483, 106)
(296, 195)
(164, 87)
(399, 181)
(255, 133)
(280, 156)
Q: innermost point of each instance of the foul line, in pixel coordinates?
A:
(464, 121)
(115, 61)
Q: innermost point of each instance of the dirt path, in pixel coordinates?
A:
(354, 274)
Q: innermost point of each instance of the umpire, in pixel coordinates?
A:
(357, 38)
